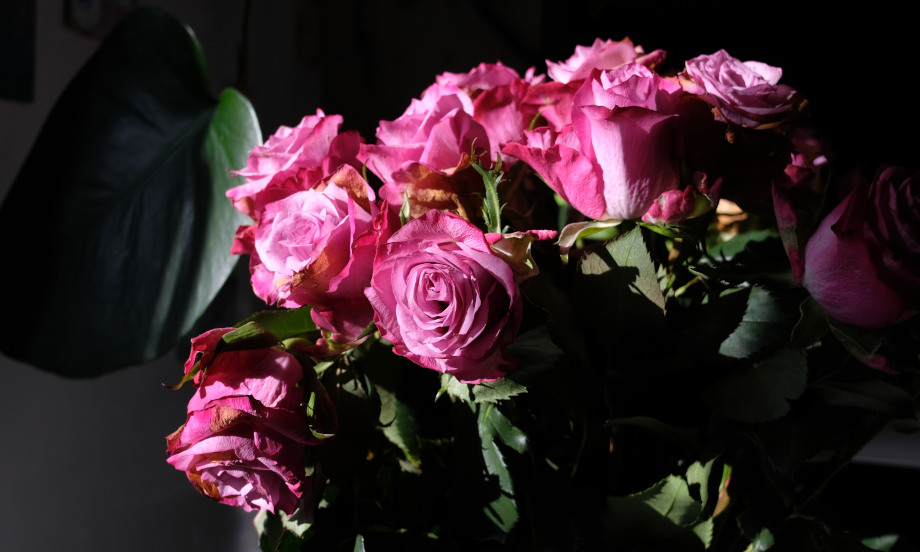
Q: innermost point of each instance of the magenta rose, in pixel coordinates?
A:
(294, 159)
(745, 93)
(863, 262)
(444, 299)
(316, 247)
(244, 437)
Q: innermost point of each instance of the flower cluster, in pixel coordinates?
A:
(543, 235)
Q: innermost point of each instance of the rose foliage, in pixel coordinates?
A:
(624, 302)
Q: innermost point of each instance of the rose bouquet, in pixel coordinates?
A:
(605, 305)
(630, 303)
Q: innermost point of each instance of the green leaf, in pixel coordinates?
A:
(489, 392)
(453, 387)
(247, 336)
(620, 278)
(284, 323)
(728, 249)
(502, 511)
(400, 427)
(359, 544)
(762, 542)
(698, 474)
(764, 323)
(494, 391)
(662, 517)
(761, 392)
(666, 513)
(122, 199)
(496, 424)
(884, 543)
(274, 535)
(671, 498)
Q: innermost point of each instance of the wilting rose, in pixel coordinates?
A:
(745, 93)
(444, 299)
(316, 247)
(244, 437)
(863, 262)
(425, 154)
(294, 159)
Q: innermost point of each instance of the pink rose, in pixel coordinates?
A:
(619, 154)
(603, 54)
(863, 262)
(294, 159)
(676, 206)
(745, 93)
(444, 299)
(244, 437)
(425, 153)
(498, 94)
(629, 85)
(316, 247)
(610, 164)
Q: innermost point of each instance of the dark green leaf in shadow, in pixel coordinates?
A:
(633, 523)
(123, 228)
(495, 427)
(401, 428)
(761, 392)
(620, 278)
(764, 323)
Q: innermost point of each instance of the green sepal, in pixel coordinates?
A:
(491, 207)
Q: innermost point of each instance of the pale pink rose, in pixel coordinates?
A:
(629, 85)
(316, 247)
(245, 433)
(745, 93)
(484, 76)
(603, 54)
(444, 299)
(294, 159)
(610, 164)
(863, 262)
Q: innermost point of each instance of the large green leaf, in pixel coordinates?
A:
(118, 229)
(494, 427)
(761, 392)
